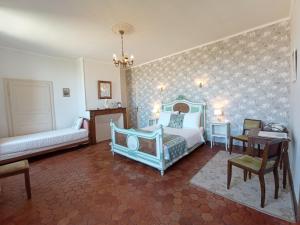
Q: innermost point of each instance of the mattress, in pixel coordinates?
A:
(192, 136)
(40, 140)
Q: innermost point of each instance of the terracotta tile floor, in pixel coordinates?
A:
(89, 186)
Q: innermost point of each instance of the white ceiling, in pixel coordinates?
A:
(76, 28)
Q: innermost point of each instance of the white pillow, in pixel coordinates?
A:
(191, 120)
(77, 123)
(164, 118)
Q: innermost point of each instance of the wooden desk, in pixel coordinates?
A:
(99, 112)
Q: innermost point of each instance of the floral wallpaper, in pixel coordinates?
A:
(246, 76)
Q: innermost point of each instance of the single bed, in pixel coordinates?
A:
(26, 146)
(160, 146)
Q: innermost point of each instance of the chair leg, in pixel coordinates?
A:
(231, 143)
(281, 161)
(229, 174)
(245, 175)
(27, 184)
(262, 189)
(250, 175)
(285, 169)
(276, 179)
(244, 146)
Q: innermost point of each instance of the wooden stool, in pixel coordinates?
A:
(17, 168)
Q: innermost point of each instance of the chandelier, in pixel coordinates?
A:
(123, 61)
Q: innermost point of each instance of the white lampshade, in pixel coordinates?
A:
(218, 112)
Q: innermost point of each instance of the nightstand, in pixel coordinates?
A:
(152, 122)
(220, 130)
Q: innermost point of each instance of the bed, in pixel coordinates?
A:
(23, 147)
(160, 146)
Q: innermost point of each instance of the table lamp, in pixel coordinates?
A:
(218, 113)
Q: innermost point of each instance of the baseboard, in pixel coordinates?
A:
(296, 205)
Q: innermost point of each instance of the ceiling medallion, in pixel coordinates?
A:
(123, 61)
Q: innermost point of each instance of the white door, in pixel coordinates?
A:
(29, 106)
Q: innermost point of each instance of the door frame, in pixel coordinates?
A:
(6, 82)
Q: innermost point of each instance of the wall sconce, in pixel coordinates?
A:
(218, 113)
(161, 87)
(199, 83)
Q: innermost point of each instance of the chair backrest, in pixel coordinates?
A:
(251, 124)
(272, 149)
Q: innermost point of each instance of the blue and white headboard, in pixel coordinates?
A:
(183, 105)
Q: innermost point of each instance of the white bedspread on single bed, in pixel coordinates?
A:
(192, 136)
(40, 140)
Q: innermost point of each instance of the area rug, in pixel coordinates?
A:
(213, 177)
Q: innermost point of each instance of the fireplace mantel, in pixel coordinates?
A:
(99, 112)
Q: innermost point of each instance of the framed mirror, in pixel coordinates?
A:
(104, 89)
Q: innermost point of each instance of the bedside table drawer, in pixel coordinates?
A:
(219, 130)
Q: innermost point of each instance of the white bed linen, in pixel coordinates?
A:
(192, 136)
(39, 140)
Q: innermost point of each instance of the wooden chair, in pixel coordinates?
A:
(248, 125)
(259, 166)
(17, 168)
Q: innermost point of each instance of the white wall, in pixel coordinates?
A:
(64, 73)
(294, 150)
(96, 70)
(93, 71)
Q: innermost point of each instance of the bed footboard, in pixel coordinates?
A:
(143, 146)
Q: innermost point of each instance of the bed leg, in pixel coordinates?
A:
(162, 172)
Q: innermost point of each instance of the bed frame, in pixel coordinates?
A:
(132, 148)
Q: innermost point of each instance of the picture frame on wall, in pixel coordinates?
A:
(294, 65)
(66, 92)
(104, 89)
